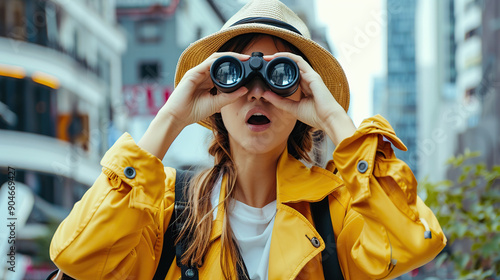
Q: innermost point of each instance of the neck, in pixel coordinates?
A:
(256, 181)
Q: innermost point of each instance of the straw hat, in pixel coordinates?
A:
(274, 18)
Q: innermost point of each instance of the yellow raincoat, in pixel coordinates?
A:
(116, 230)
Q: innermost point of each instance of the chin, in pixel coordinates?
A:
(263, 146)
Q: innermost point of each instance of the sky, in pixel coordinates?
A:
(356, 31)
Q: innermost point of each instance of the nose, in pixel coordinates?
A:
(256, 88)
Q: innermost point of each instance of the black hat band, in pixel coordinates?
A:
(268, 21)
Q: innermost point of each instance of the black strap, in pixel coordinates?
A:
(54, 273)
(187, 272)
(168, 252)
(322, 221)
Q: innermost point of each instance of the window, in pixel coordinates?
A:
(15, 24)
(32, 104)
(470, 92)
(3, 22)
(149, 71)
(472, 33)
(148, 31)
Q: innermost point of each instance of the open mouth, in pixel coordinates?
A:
(258, 119)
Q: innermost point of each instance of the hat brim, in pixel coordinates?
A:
(320, 59)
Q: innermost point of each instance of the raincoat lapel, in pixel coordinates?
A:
(292, 246)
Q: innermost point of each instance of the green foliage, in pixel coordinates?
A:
(469, 213)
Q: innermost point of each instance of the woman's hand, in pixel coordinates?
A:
(317, 107)
(191, 100)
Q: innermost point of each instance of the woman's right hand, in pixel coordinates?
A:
(189, 103)
(191, 100)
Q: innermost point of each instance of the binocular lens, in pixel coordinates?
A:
(282, 74)
(228, 73)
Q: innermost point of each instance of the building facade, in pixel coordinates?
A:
(60, 96)
(478, 30)
(401, 99)
(437, 93)
(458, 83)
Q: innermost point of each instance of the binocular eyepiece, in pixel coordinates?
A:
(280, 74)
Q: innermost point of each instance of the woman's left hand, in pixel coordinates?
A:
(317, 107)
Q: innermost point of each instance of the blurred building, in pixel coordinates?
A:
(458, 82)
(60, 96)
(379, 91)
(438, 113)
(468, 29)
(401, 107)
(157, 33)
(478, 81)
(306, 10)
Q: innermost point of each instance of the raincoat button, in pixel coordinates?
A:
(129, 172)
(315, 242)
(362, 166)
(189, 273)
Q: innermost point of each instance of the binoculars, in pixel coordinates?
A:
(280, 74)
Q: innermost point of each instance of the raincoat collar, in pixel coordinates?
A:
(295, 182)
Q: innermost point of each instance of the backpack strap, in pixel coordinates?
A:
(322, 221)
(181, 202)
(169, 250)
(58, 275)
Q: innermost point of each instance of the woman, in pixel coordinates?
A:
(254, 202)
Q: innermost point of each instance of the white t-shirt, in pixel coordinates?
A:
(252, 228)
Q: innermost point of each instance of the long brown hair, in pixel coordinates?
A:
(198, 224)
